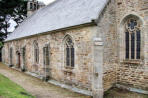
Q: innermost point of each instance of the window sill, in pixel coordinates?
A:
(46, 68)
(135, 62)
(68, 70)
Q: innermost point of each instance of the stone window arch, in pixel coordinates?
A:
(11, 55)
(46, 54)
(46, 61)
(69, 52)
(132, 39)
(31, 6)
(36, 52)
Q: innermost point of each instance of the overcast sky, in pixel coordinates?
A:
(46, 1)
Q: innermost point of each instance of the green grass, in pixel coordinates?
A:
(9, 89)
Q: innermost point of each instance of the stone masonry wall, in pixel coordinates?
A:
(80, 75)
(133, 73)
(107, 31)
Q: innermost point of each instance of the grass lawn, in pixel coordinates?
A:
(9, 89)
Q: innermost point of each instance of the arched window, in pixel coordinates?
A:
(31, 6)
(35, 6)
(11, 55)
(46, 55)
(132, 39)
(69, 52)
(36, 52)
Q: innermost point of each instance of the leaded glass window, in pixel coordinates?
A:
(132, 39)
(69, 52)
(46, 55)
(11, 55)
(138, 44)
(31, 6)
(36, 52)
(24, 54)
(127, 44)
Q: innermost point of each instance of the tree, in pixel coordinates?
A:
(11, 9)
(20, 12)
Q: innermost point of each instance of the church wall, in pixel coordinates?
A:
(79, 76)
(107, 31)
(133, 73)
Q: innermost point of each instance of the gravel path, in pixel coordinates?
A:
(37, 87)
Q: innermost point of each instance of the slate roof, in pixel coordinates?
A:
(57, 15)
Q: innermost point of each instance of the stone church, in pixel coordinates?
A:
(91, 45)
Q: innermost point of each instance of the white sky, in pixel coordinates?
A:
(46, 1)
(12, 25)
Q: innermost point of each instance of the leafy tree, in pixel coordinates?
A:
(20, 12)
(11, 9)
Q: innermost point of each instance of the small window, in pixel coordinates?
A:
(11, 55)
(36, 52)
(31, 6)
(69, 52)
(46, 55)
(24, 54)
(35, 7)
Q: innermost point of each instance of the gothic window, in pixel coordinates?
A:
(11, 55)
(24, 54)
(35, 6)
(36, 52)
(69, 52)
(132, 40)
(31, 6)
(46, 55)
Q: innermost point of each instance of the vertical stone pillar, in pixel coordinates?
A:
(97, 84)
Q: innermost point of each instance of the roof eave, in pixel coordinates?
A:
(93, 22)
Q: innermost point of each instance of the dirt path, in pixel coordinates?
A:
(37, 87)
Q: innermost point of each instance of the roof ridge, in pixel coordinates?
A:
(52, 2)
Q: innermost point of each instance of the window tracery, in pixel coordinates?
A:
(36, 52)
(69, 52)
(132, 39)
